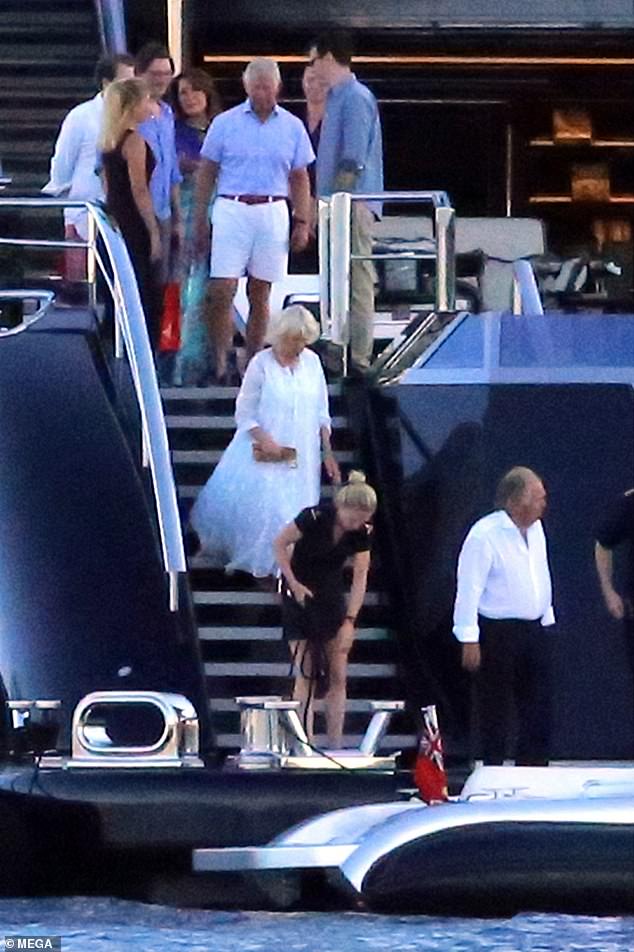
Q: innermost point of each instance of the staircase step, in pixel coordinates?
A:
(223, 705)
(211, 457)
(34, 28)
(280, 669)
(190, 492)
(201, 422)
(219, 393)
(62, 53)
(13, 7)
(263, 598)
(391, 742)
(34, 88)
(25, 147)
(255, 633)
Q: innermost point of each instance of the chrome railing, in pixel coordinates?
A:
(44, 299)
(526, 299)
(111, 20)
(335, 256)
(131, 340)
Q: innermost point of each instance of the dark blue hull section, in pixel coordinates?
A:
(83, 591)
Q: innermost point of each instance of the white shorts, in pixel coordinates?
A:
(249, 239)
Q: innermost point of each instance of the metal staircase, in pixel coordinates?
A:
(239, 625)
(47, 56)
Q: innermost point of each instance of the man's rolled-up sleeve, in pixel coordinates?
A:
(474, 564)
(358, 120)
(212, 147)
(65, 157)
(304, 153)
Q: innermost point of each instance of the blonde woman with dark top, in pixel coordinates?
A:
(127, 164)
(318, 621)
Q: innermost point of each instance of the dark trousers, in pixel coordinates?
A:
(514, 675)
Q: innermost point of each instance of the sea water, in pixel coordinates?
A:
(114, 925)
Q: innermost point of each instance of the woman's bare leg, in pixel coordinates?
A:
(335, 701)
(302, 690)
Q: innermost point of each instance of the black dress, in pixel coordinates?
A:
(317, 562)
(122, 206)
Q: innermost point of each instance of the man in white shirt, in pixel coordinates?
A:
(73, 166)
(502, 613)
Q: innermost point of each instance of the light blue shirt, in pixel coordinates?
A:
(159, 134)
(256, 157)
(351, 140)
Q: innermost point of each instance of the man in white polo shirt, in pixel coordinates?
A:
(256, 155)
(502, 612)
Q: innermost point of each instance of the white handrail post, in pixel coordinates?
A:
(517, 295)
(175, 32)
(323, 249)
(91, 259)
(445, 225)
(340, 242)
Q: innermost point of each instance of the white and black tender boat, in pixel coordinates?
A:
(558, 837)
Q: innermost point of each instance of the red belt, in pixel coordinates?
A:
(255, 199)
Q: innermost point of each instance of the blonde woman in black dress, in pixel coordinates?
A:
(127, 165)
(318, 621)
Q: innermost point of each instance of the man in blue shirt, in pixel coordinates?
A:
(350, 159)
(154, 65)
(257, 156)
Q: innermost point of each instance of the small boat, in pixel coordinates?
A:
(542, 838)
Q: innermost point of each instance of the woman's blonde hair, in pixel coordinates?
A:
(120, 99)
(356, 494)
(295, 319)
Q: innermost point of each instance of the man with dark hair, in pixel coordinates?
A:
(74, 161)
(503, 604)
(155, 65)
(350, 159)
(108, 69)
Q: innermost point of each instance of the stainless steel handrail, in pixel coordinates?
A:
(526, 299)
(111, 19)
(131, 332)
(45, 299)
(335, 254)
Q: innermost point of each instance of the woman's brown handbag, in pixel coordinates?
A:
(286, 454)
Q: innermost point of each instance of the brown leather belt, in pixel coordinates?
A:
(255, 199)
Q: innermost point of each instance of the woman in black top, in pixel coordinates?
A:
(128, 164)
(317, 622)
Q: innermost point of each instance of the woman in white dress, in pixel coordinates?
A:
(282, 407)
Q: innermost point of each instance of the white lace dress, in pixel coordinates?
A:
(245, 504)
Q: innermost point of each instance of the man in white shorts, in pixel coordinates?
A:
(257, 156)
